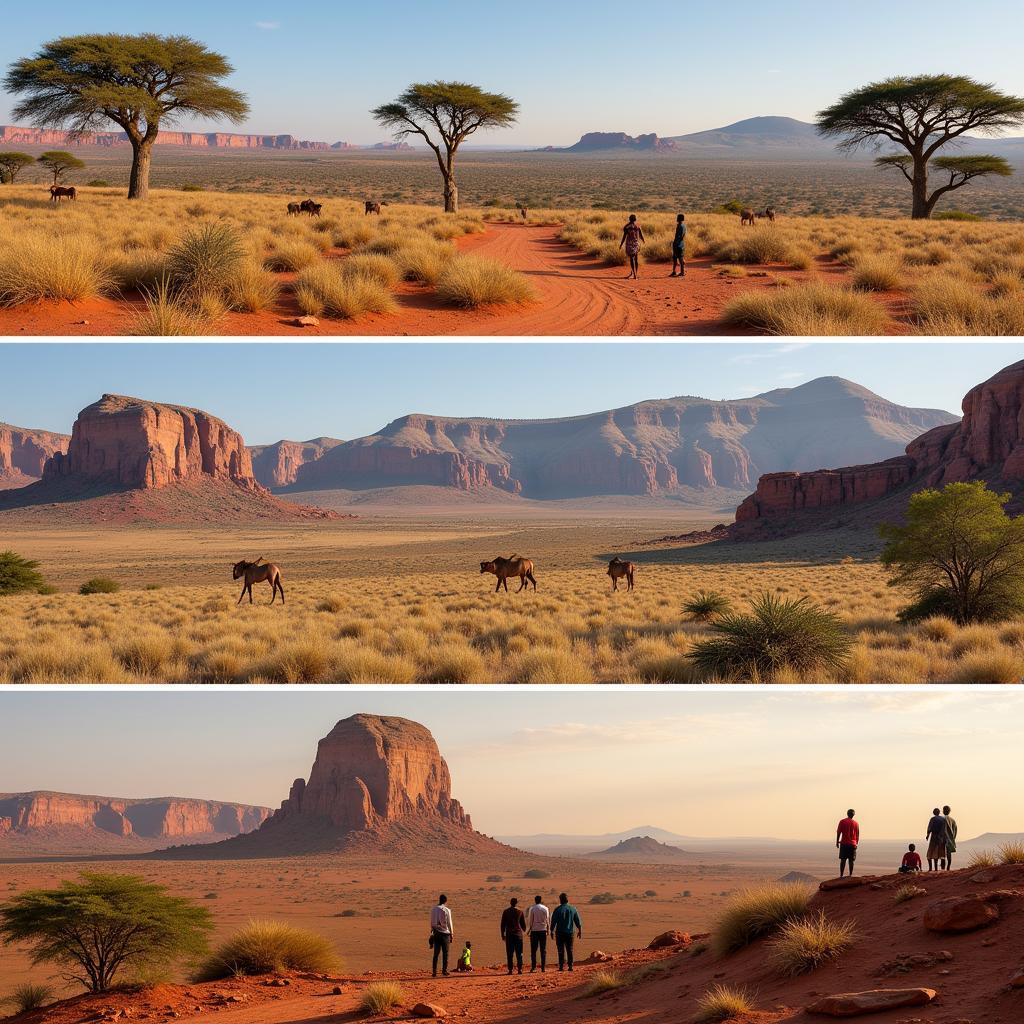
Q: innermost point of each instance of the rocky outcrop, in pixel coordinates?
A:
(651, 448)
(596, 142)
(639, 847)
(278, 464)
(988, 443)
(963, 913)
(878, 1000)
(132, 443)
(23, 453)
(13, 134)
(171, 818)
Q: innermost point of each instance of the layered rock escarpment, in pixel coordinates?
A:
(649, 448)
(987, 443)
(278, 464)
(171, 818)
(24, 451)
(14, 134)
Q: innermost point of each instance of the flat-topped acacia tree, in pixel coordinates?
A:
(451, 111)
(921, 114)
(11, 163)
(138, 82)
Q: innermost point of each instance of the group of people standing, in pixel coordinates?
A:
(562, 924)
(940, 836)
(633, 239)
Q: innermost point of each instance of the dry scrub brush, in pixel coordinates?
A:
(270, 947)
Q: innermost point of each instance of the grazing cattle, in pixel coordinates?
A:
(253, 572)
(294, 209)
(503, 568)
(747, 217)
(769, 214)
(371, 207)
(310, 207)
(618, 570)
(59, 192)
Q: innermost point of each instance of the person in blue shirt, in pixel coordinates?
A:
(565, 929)
(679, 247)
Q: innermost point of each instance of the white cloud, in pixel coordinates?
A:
(268, 26)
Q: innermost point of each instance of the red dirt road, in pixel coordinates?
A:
(577, 295)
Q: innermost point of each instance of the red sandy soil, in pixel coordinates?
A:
(576, 295)
(970, 972)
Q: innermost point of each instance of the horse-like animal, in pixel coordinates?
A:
(372, 207)
(59, 192)
(769, 214)
(503, 568)
(747, 217)
(294, 209)
(310, 207)
(619, 570)
(253, 572)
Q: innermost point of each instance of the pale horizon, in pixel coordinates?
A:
(714, 764)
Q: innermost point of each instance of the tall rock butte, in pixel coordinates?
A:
(987, 444)
(377, 783)
(278, 464)
(650, 448)
(23, 453)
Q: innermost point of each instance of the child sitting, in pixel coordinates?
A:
(465, 958)
(911, 861)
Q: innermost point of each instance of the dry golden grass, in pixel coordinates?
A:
(724, 1002)
(363, 607)
(805, 943)
(757, 912)
(472, 281)
(813, 308)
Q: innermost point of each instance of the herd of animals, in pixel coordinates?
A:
(503, 568)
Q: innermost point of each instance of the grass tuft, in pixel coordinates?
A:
(270, 947)
(757, 912)
(804, 944)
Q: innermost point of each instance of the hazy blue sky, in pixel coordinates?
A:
(297, 390)
(315, 67)
(738, 762)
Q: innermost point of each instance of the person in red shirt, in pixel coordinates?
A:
(847, 838)
(911, 861)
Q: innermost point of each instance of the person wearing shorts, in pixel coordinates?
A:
(847, 839)
(679, 247)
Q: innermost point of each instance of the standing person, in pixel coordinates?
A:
(538, 920)
(950, 836)
(847, 838)
(513, 927)
(565, 928)
(679, 247)
(911, 861)
(936, 836)
(441, 933)
(632, 239)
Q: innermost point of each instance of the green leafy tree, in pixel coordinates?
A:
(18, 575)
(11, 163)
(58, 163)
(97, 927)
(445, 114)
(139, 82)
(921, 114)
(959, 553)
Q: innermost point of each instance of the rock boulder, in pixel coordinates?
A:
(855, 1004)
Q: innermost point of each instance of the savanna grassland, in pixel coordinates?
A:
(401, 600)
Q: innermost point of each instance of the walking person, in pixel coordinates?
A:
(441, 933)
(632, 239)
(950, 836)
(538, 920)
(847, 840)
(679, 247)
(936, 836)
(513, 928)
(565, 929)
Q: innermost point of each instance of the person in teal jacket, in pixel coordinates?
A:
(565, 929)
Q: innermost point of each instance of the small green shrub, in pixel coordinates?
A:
(19, 575)
(536, 873)
(100, 585)
(707, 605)
(28, 996)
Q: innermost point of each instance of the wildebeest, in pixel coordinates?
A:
(372, 207)
(747, 217)
(294, 209)
(253, 572)
(503, 568)
(311, 207)
(769, 214)
(618, 569)
(58, 192)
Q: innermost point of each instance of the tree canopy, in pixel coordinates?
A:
(959, 553)
(59, 162)
(97, 927)
(11, 163)
(19, 575)
(445, 114)
(139, 82)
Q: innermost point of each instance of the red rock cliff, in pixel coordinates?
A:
(278, 464)
(23, 453)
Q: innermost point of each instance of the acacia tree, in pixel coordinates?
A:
(11, 163)
(103, 924)
(921, 114)
(445, 114)
(138, 82)
(58, 163)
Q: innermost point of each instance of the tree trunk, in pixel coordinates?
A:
(921, 209)
(451, 195)
(142, 158)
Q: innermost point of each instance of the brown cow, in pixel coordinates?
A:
(372, 207)
(253, 572)
(747, 217)
(58, 192)
(310, 207)
(503, 568)
(294, 209)
(618, 569)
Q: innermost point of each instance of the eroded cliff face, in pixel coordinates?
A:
(130, 442)
(278, 464)
(987, 443)
(14, 134)
(23, 453)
